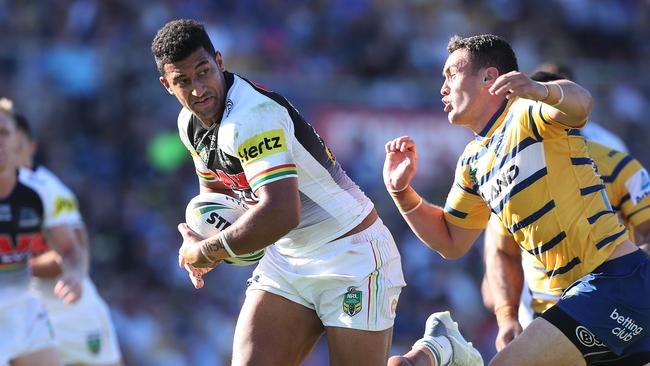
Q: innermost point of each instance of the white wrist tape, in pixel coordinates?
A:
(397, 190)
(414, 208)
(227, 246)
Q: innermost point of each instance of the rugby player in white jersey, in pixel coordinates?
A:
(84, 332)
(333, 267)
(27, 214)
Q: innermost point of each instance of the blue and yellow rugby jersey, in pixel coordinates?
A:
(628, 188)
(536, 175)
(626, 181)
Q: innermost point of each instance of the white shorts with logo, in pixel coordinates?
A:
(84, 333)
(353, 282)
(24, 326)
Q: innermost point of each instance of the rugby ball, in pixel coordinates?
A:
(209, 213)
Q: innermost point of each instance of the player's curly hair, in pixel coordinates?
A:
(486, 50)
(177, 40)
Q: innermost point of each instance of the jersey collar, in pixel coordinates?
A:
(496, 120)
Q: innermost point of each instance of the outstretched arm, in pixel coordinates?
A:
(426, 220)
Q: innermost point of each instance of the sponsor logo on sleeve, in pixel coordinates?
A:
(63, 205)
(262, 145)
(639, 186)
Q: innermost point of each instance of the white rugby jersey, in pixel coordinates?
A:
(32, 207)
(262, 138)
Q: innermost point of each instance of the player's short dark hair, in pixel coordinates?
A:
(177, 40)
(557, 68)
(545, 76)
(23, 125)
(486, 50)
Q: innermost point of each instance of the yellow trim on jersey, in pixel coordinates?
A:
(532, 173)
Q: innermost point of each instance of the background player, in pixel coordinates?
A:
(27, 214)
(84, 332)
(518, 167)
(621, 175)
(334, 267)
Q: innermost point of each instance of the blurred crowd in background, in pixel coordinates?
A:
(362, 71)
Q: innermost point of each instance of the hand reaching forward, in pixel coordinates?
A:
(400, 164)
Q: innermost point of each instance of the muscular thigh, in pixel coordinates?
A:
(358, 347)
(272, 330)
(540, 344)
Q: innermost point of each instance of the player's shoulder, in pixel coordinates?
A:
(46, 174)
(184, 119)
(249, 110)
(247, 100)
(35, 183)
(55, 183)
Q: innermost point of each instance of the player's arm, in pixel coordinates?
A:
(631, 190)
(276, 213)
(564, 101)
(505, 278)
(64, 241)
(427, 221)
(48, 264)
(429, 224)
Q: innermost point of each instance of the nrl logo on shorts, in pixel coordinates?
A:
(352, 301)
(94, 343)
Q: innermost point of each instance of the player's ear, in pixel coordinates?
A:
(490, 74)
(165, 84)
(219, 60)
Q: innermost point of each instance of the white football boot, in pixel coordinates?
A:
(441, 325)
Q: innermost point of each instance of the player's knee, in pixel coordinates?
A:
(399, 361)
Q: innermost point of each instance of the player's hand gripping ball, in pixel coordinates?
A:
(209, 213)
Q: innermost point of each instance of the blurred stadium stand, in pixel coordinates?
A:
(362, 71)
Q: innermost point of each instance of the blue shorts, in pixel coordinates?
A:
(613, 303)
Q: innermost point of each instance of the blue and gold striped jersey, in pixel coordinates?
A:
(536, 176)
(627, 183)
(628, 188)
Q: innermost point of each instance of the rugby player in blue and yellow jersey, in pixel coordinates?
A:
(628, 189)
(521, 167)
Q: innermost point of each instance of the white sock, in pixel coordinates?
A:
(439, 347)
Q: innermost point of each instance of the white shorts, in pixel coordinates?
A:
(24, 327)
(84, 333)
(353, 282)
